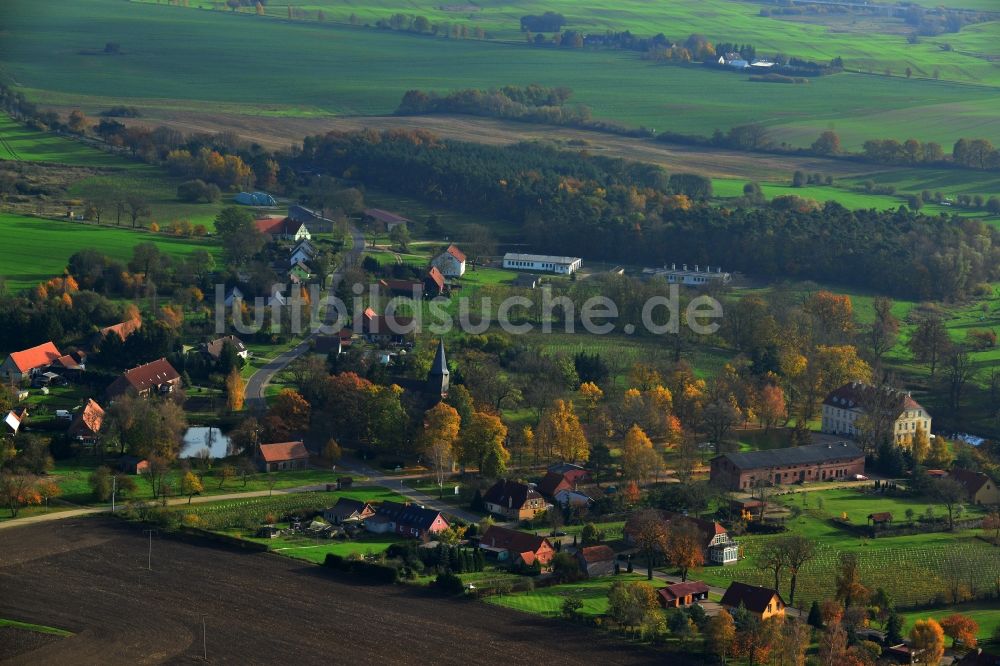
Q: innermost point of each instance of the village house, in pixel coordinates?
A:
(299, 273)
(282, 456)
(572, 498)
(384, 218)
(716, 544)
(760, 601)
(813, 462)
(679, 595)
(596, 561)
(514, 500)
(213, 349)
(390, 329)
(410, 520)
(155, 377)
(516, 547)
(434, 283)
(15, 418)
(348, 510)
(233, 296)
(451, 262)
(282, 228)
(979, 488)
(123, 330)
(843, 406)
(25, 364)
(86, 425)
(562, 476)
(690, 278)
(542, 262)
(303, 252)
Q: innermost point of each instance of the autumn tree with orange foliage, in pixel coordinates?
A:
(832, 314)
(561, 435)
(927, 638)
(18, 490)
(684, 546)
(235, 391)
(961, 629)
(590, 395)
(289, 413)
(650, 537)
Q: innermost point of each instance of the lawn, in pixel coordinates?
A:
(19, 143)
(44, 246)
(987, 615)
(166, 74)
(548, 600)
(38, 628)
(316, 550)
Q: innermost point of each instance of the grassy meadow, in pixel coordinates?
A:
(19, 143)
(315, 69)
(44, 246)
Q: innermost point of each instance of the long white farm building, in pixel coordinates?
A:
(542, 262)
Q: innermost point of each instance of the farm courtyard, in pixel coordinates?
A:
(89, 577)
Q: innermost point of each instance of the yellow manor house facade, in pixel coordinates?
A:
(845, 405)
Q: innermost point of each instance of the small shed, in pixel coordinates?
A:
(596, 560)
(133, 465)
(882, 518)
(682, 594)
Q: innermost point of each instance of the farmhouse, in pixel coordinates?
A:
(516, 547)
(717, 547)
(388, 329)
(27, 363)
(155, 377)
(814, 462)
(87, 423)
(302, 252)
(407, 519)
(760, 601)
(348, 510)
(122, 330)
(596, 560)
(451, 262)
(281, 456)
(514, 500)
(845, 405)
(389, 220)
(315, 221)
(542, 262)
(682, 594)
(691, 278)
(213, 349)
(979, 488)
(282, 228)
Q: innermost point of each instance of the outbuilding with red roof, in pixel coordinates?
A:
(282, 456)
(451, 262)
(24, 364)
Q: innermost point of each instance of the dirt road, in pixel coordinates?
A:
(89, 576)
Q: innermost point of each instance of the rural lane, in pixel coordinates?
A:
(257, 384)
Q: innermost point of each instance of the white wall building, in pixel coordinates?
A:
(451, 262)
(542, 262)
(690, 277)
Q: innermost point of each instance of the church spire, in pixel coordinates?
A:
(437, 378)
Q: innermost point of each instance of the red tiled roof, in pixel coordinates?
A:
(89, 420)
(514, 541)
(67, 361)
(36, 357)
(283, 451)
(455, 252)
(972, 481)
(124, 329)
(859, 394)
(144, 377)
(271, 225)
(597, 553)
(436, 277)
(678, 590)
(552, 482)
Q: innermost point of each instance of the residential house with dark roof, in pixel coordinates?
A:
(213, 348)
(410, 520)
(390, 329)
(303, 252)
(282, 456)
(348, 510)
(314, 220)
(679, 595)
(384, 218)
(596, 561)
(845, 405)
(155, 377)
(451, 262)
(514, 500)
(979, 488)
(761, 601)
(717, 546)
(796, 464)
(86, 425)
(516, 547)
(27, 363)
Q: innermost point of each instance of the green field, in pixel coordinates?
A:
(18, 142)
(38, 628)
(985, 614)
(548, 601)
(316, 550)
(44, 246)
(166, 48)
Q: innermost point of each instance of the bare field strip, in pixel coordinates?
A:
(89, 576)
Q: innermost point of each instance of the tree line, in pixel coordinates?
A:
(601, 208)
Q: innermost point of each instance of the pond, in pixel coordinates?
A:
(199, 438)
